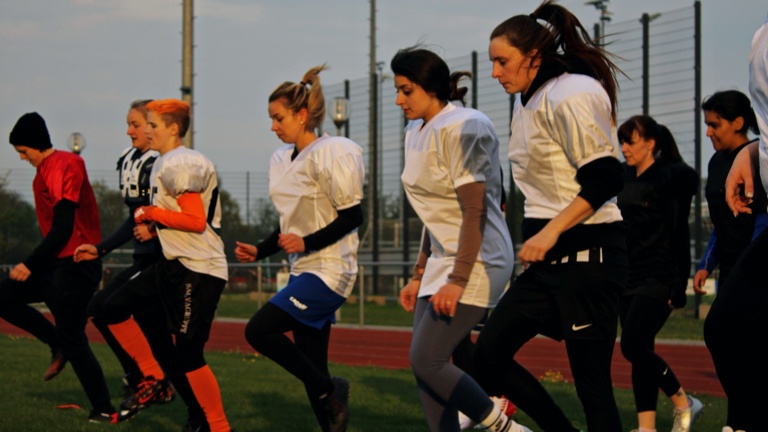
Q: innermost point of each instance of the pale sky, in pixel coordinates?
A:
(79, 63)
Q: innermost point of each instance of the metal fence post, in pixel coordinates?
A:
(258, 285)
(361, 296)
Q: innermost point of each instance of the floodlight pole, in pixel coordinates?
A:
(187, 66)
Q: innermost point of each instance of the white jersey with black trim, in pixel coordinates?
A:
(175, 173)
(133, 185)
(758, 89)
(307, 192)
(457, 147)
(565, 125)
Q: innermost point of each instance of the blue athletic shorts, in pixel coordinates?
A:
(308, 299)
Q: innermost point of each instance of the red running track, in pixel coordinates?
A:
(388, 348)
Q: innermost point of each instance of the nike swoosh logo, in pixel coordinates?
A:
(581, 327)
(665, 371)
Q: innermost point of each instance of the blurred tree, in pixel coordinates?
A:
(264, 220)
(19, 234)
(232, 228)
(112, 208)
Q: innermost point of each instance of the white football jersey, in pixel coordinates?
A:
(457, 147)
(307, 192)
(564, 126)
(179, 171)
(758, 89)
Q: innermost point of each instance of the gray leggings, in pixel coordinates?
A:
(445, 389)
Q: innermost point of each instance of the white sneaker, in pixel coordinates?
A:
(507, 407)
(466, 422)
(502, 403)
(517, 427)
(509, 426)
(684, 419)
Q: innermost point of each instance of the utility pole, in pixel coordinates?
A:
(605, 15)
(645, 21)
(187, 48)
(373, 156)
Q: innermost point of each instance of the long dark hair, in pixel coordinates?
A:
(430, 72)
(730, 104)
(557, 35)
(647, 128)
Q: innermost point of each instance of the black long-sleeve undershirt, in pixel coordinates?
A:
(61, 230)
(600, 180)
(122, 235)
(346, 221)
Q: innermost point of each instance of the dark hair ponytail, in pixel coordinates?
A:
(731, 104)
(647, 128)
(557, 35)
(430, 72)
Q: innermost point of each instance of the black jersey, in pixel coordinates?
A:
(656, 205)
(134, 169)
(733, 233)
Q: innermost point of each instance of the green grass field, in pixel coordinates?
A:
(258, 396)
(682, 324)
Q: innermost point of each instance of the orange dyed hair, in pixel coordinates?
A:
(173, 111)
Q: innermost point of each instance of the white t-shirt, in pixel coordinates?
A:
(457, 147)
(179, 171)
(563, 126)
(307, 192)
(758, 89)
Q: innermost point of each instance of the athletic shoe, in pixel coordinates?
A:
(190, 427)
(336, 405)
(113, 418)
(167, 394)
(509, 426)
(100, 417)
(150, 391)
(505, 405)
(502, 403)
(57, 365)
(126, 414)
(685, 418)
(464, 421)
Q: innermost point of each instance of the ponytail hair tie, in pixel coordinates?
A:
(303, 83)
(547, 25)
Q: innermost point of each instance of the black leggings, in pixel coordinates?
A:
(733, 332)
(525, 311)
(306, 357)
(65, 287)
(641, 319)
(140, 298)
(140, 262)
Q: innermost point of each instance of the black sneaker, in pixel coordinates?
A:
(113, 418)
(150, 391)
(130, 386)
(100, 417)
(57, 365)
(167, 394)
(126, 414)
(191, 427)
(336, 405)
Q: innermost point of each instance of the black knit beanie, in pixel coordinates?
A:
(30, 131)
